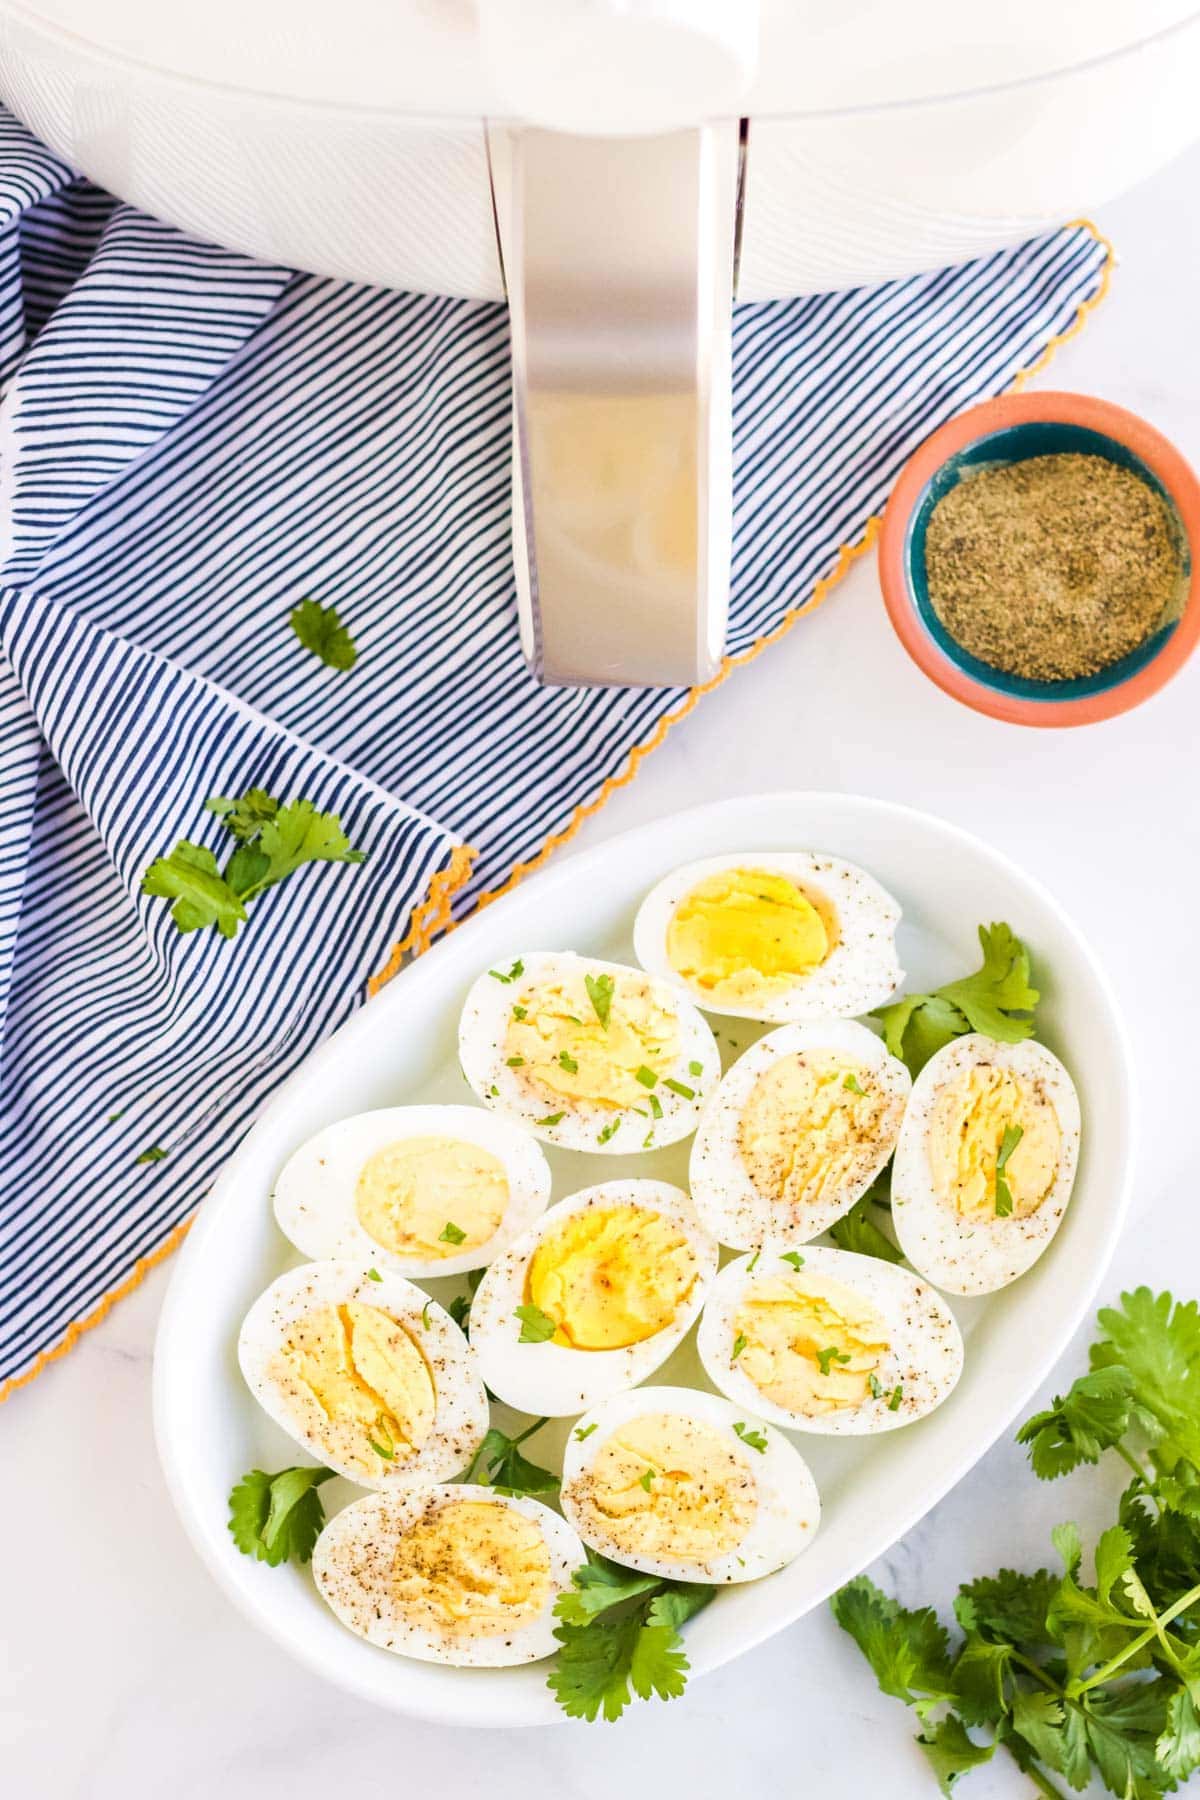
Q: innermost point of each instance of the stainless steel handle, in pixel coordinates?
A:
(618, 257)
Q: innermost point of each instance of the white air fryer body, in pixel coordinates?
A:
(618, 169)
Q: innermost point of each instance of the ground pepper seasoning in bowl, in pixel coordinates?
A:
(1036, 559)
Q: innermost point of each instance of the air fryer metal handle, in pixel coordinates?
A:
(618, 257)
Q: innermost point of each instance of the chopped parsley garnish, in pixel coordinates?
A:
(897, 1396)
(374, 1275)
(1008, 1143)
(320, 630)
(425, 1316)
(755, 1439)
(999, 1000)
(273, 841)
(567, 1061)
(753, 1263)
(113, 1117)
(620, 1636)
(551, 1119)
(277, 1518)
(831, 1354)
(498, 1463)
(656, 1111)
(388, 1455)
(451, 1233)
(520, 1012)
(600, 993)
(646, 1076)
(680, 1087)
(537, 1327)
(514, 1062)
(739, 1344)
(645, 1479)
(875, 1385)
(609, 1131)
(792, 1256)
(155, 1153)
(460, 1307)
(514, 974)
(857, 1231)
(695, 1068)
(852, 1086)
(584, 1431)
(648, 1140)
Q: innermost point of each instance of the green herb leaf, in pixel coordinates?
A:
(320, 630)
(998, 1000)
(1008, 1143)
(756, 1440)
(646, 1479)
(537, 1327)
(646, 1076)
(374, 1275)
(567, 1062)
(153, 1154)
(620, 1636)
(451, 1233)
(695, 1068)
(1077, 1426)
(189, 876)
(656, 1111)
(500, 1463)
(277, 1518)
(851, 1085)
(609, 1131)
(514, 974)
(1158, 1341)
(831, 1354)
(680, 1087)
(908, 1650)
(792, 1256)
(950, 1752)
(857, 1231)
(584, 1431)
(739, 1344)
(552, 1119)
(600, 992)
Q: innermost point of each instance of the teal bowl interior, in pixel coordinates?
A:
(1017, 443)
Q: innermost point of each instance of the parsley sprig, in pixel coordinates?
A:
(998, 1000)
(272, 842)
(620, 1636)
(1074, 1678)
(499, 1463)
(278, 1518)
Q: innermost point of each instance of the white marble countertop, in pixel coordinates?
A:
(125, 1674)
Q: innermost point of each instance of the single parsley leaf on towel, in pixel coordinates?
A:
(998, 1000)
(190, 877)
(320, 630)
(278, 1517)
(620, 1636)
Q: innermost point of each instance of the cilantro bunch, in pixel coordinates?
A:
(272, 842)
(1072, 1677)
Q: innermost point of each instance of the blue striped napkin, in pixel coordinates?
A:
(190, 443)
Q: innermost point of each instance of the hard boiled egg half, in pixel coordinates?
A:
(586, 1054)
(828, 1341)
(680, 1483)
(370, 1375)
(772, 935)
(795, 1133)
(985, 1163)
(459, 1575)
(594, 1298)
(423, 1190)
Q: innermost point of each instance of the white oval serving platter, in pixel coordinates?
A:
(400, 1047)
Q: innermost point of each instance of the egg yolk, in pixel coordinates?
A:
(611, 1277)
(669, 1486)
(805, 1124)
(409, 1192)
(968, 1124)
(744, 934)
(359, 1383)
(474, 1567)
(810, 1344)
(560, 1046)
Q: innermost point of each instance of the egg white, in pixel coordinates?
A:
(729, 1204)
(461, 1416)
(315, 1194)
(557, 1379)
(481, 1035)
(967, 1256)
(925, 1349)
(352, 1565)
(787, 1505)
(860, 972)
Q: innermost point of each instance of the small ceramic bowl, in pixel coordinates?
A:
(1009, 430)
